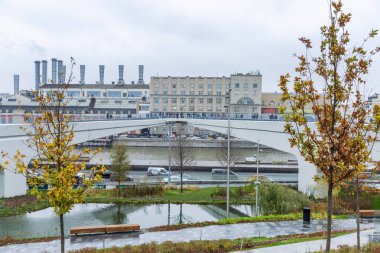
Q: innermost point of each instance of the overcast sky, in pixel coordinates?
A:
(170, 37)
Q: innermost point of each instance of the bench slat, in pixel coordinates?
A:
(104, 229)
(122, 228)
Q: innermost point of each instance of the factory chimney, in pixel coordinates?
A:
(82, 73)
(121, 74)
(37, 79)
(44, 72)
(54, 70)
(101, 74)
(141, 75)
(60, 74)
(16, 84)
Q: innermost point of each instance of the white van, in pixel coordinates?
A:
(157, 171)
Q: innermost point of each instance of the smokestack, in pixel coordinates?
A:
(37, 79)
(64, 74)
(44, 72)
(101, 74)
(141, 74)
(16, 82)
(60, 74)
(121, 74)
(54, 70)
(82, 73)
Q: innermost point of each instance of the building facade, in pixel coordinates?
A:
(206, 96)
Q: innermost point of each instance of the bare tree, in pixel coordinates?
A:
(222, 153)
(183, 156)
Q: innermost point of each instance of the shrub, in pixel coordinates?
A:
(280, 199)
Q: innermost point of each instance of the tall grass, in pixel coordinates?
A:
(280, 199)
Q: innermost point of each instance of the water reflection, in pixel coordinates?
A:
(45, 223)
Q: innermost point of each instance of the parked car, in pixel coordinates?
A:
(222, 174)
(177, 178)
(106, 174)
(157, 171)
(220, 138)
(250, 159)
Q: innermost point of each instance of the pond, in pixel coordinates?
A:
(46, 223)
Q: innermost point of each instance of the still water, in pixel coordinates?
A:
(46, 223)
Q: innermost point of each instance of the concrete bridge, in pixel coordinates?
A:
(269, 133)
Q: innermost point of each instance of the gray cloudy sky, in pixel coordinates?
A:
(170, 37)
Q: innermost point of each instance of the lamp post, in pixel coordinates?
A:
(228, 106)
(170, 150)
(257, 183)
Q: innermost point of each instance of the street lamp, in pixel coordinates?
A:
(257, 183)
(228, 106)
(170, 150)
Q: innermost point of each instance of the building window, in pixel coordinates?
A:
(114, 94)
(164, 109)
(209, 86)
(183, 100)
(182, 108)
(237, 85)
(191, 101)
(200, 93)
(218, 101)
(246, 86)
(209, 101)
(174, 108)
(73, 94)
(271, 103)
(93, 93)
(174, 100)
(200, 100)
(164, 100)
(255, 85)
(209, 108)
(236, 109)
(191, 108)
(192, 85)
(191, 92)
(133, 94)
(156, 100)
(200, 108)
(245, 109)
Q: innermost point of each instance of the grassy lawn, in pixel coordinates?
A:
(189, 196)
(20, 205)
(376, 202)
(217, 246)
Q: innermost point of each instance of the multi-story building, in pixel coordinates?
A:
(206, 96)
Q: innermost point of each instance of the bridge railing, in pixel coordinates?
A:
(13, 118)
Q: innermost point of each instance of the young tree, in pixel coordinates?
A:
(51, 136)
(339, 143)
(119, 163)
(182, 154)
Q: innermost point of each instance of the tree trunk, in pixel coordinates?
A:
(118, 190)
(62, 233)
(181, 181)
(357, 214)
(329, 216)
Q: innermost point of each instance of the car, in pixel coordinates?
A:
(220, 138)
(250, 159)
(157, 171)
(105, 174)
(177, 178)
(218, 173)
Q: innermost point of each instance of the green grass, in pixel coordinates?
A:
(198, 196)
(376, 202)
(21, 208)
(216, 246)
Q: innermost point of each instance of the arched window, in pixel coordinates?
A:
(245, 101)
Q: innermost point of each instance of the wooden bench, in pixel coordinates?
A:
(104, 229)
(88, 230)
(367, 213)
(122, 228)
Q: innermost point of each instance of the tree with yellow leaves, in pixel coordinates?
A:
(57, 163)
(339, 143)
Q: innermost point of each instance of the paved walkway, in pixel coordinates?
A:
(311, 246)
(234, 231)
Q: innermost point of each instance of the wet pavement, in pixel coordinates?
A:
(234, 231)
